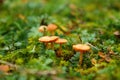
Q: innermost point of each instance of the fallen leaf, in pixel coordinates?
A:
(107, 58)
(21, 16)
(93, 61)
(111, 52)
(101, 55)
(101, 60)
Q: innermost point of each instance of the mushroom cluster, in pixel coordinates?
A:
(82, 48)
(52, 40)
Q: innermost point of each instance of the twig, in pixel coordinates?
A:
(92, 46)
(80, 39)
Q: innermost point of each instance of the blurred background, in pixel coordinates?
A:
(21, 18)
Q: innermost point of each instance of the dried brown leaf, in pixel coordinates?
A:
(93, 61)
(117, 34)
(101, 54)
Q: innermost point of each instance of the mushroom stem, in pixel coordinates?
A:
(60, 42)
(44, 32)
(46, 45)
(52, 33)
(81, 48)
(81, 57)
(52, 45)
(60, 50)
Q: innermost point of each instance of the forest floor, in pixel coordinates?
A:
(91, 23)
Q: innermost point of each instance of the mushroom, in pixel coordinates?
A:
(60, 41)
(4, 68)
(48, 39)
(52, 28)
(42, 29)
(45, 39)
(82, 48)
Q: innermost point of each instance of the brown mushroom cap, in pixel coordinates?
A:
(53, 38)
(42, 28)
(51, 27)
(81, 47)
(44, 39)
(61, 41)
(48, 38)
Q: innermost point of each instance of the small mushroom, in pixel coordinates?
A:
(48, 39)
(52, 28)
(42, 29)
(45, 39)
(82, 48)
(60, 41)
(4, 68)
